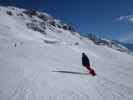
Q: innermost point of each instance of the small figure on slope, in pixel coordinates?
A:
(86, 64)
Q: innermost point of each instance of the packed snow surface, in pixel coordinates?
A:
(34, 66)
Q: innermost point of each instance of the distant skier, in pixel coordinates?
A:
(86, 63)
(15, 45)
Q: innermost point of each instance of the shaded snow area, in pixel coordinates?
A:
(34, 66)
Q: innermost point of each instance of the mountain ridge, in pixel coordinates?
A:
(40, 21)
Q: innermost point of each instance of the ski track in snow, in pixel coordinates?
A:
(110, 90)
(24, 91)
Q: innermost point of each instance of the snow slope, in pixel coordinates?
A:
(34, 66)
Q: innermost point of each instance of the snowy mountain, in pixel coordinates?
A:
(122, 47)
(128, 45)
(40, 59)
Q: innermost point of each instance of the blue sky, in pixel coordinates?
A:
(111, 19)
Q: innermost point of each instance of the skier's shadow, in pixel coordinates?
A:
(71, 72)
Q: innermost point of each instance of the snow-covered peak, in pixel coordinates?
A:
(109, 43)
(32, 21)
(34, 25)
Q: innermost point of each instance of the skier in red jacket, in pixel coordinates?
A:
(86, 63)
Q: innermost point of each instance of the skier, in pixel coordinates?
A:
(86, 63)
